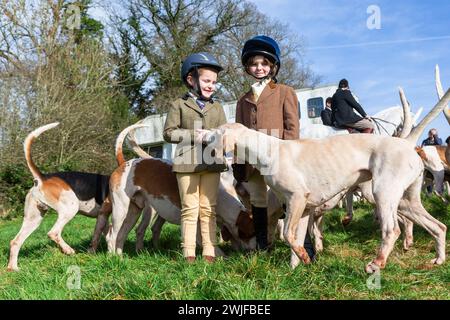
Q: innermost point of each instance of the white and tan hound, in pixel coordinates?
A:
(149, 183)
(65, 192)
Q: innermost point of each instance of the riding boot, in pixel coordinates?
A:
(309, 247)
(260, 224)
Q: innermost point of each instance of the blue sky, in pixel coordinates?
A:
(413, 38)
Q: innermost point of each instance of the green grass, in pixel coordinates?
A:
(338, 272)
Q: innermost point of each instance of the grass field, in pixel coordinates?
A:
(338, 272)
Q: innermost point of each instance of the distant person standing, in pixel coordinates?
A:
(327, 114)
(343, 104)
(433, 139)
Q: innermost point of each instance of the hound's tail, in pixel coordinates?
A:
(37, 175)
(136, 148)
(440, 92)
(121, 138)
(417, 131)
(442, 105)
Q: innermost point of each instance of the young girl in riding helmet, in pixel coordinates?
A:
(269, 107)
(198, 181)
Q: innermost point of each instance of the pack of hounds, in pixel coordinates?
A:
(388, 171)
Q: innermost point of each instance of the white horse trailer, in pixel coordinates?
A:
(311, 102)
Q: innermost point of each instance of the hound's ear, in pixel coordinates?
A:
(241, 190)
(226, 234)
(228, 140)
(246, 229)
(421, 153)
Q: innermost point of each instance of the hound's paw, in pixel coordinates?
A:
(407, 244)
(437, 261)
(12, 269)
(372, 267)
(69, 251)
(346, 220)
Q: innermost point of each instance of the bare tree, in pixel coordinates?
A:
(164, 32)
(131, 72)
(51, 72)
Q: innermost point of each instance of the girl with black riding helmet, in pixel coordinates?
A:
(198, 180)
(269, 107)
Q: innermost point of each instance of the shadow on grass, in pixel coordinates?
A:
(35, 249)
(437, 208)
(361, 229)
(364, 227)
(169, 241)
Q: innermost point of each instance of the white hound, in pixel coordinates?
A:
(305, 174)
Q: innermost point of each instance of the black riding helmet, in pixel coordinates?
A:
(264, 46)
(195, 61)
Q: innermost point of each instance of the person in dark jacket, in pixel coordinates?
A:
(433, 139)
(327, 114)
(343, 104)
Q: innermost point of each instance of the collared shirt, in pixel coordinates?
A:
(258, 87)
(201, 103)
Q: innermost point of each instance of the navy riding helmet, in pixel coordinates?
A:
(198, 60)
(262, 45)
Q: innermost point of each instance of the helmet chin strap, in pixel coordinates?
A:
(196, 89)
(262, 78)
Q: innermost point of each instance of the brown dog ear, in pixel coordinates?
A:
(226, 234)
(243, 194)
(241, 190)
(421, 153)
(245, 226)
